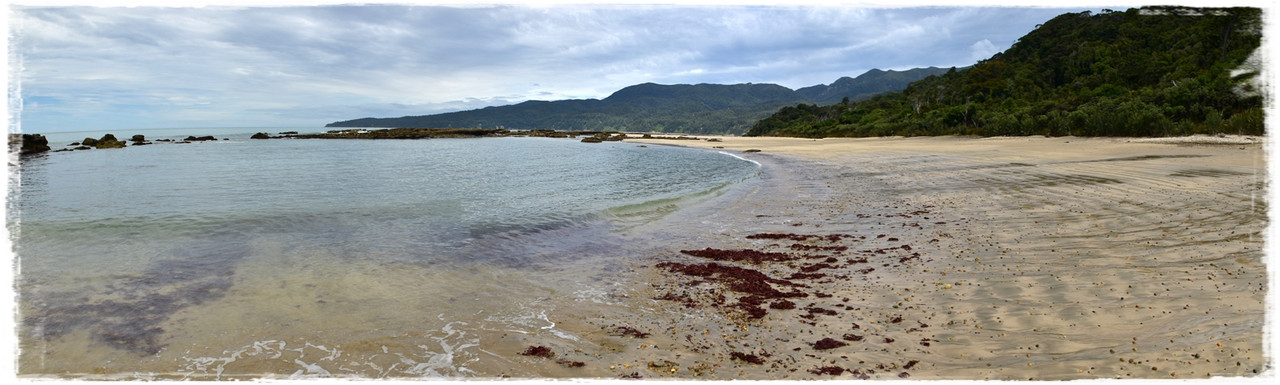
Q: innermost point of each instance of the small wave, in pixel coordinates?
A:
(529, 321)
(741, 158)
(447, 356)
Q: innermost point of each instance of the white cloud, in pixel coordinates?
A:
(983, 49)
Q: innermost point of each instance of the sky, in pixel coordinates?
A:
(304, 64)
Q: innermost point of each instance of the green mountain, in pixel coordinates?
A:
(863, 87)
(684, 108)
(1153, 71)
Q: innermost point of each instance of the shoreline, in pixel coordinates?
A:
(963, 259)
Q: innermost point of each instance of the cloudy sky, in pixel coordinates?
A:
(288, 65)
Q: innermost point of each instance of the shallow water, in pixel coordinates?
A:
(331, 258)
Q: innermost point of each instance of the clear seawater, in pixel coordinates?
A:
(244, 258)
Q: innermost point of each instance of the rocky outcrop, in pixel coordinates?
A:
(260, 135)
(194, 138)
(604, 137)
(108, 141)
(29, 143)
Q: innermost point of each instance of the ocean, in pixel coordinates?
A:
(287, 258)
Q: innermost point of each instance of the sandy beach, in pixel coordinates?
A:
(954, 258)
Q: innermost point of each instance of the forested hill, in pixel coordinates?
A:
(693, 109)
(1154, 71)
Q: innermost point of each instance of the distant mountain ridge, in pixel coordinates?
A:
(685, 108)
(870, 83)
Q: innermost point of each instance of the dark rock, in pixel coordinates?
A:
(260, 135)
(109, 141)
(139, 140)
(592, 139)
(193, 138)
(289, 133)
(30, 143)
(89, 142)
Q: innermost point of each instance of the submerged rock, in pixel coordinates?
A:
(193, 138)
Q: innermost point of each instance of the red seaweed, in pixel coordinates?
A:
(832, 370)
(740, 255)
(538, 351)
(738, 279)
(782, 304)
(806, 276)
(571, 364)
(627, 331)
(827, 343)
(751, 358)
(816, 267)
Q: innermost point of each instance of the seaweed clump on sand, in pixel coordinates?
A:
(571, 364)
(538, 351)
(627, 331)
(811, 274)
(746, 255)
(831, 370)
(750, 358)
(827, 343)
(756, 285)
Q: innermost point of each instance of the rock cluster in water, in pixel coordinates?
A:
(31, 143)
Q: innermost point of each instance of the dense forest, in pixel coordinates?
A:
(1154, 71)
(683, 108)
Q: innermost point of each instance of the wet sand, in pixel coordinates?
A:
(948, 258)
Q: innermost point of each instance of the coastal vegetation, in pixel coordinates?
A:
(1153, 71)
